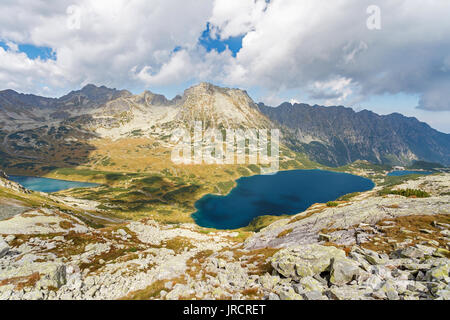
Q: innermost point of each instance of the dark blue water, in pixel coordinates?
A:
(49, 185)
(406, 172)
(287, 192)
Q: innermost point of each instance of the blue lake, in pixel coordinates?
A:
(287, 192)
(49, 185)
(406, 172)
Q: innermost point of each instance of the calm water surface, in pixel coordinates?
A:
(49, 185)
(287, 192)
(406, 172)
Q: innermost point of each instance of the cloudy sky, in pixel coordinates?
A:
(341, 52)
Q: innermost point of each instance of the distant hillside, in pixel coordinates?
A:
(337, 135)
(65, 132)
(61, 132)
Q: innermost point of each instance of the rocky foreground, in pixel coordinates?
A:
(369, 247)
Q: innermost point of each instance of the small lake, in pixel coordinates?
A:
(406, 172)
(285, 193)
(49, 185)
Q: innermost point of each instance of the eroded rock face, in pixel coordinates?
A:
(4, 247)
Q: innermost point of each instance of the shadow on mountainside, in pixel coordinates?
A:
(41, 150)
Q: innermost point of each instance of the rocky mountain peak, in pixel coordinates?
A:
(92, 95)
(220, 107)
(154, 99)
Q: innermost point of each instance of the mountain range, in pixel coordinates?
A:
(336, 136)
(39, 128)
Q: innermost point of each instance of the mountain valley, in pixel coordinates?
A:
(133, 236)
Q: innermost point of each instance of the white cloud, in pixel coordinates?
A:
(177, 69)
(114, 37)
(318, 47)
(334, 91)
(295, 44)
(19, 72)
(232, 18)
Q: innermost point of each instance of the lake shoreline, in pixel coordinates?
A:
(293, 202)
(58, 184)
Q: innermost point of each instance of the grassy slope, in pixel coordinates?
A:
(38, 200)
(139, 179)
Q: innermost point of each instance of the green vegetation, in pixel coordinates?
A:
(407, 193)
(151, 292)
(425, 165)
(137, 133)
(254, 168)
(91, 175)
(261, 222)
(178, 244)
(243, 171)
(349, 196)
(332, 204)
(390, 181)
(136, 196)
(284, 233)
(364, 165)
(225, 187)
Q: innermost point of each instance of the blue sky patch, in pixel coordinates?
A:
(233, 43)
(33, 52)
(3, 45)
(177, 48)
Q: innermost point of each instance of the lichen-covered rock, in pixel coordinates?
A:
(289, 294)
(314, 295)
(388, 289)
(438, 273)
(347, 293)
(372, 257)
(311, 284)
(443, 294)
(302, 261)
(411, 252)
(268, 282)
(441, 253)
(343, 271)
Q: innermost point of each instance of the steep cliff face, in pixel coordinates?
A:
(338, 135)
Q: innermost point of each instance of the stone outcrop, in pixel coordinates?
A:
(302, 261)
(360, 276)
